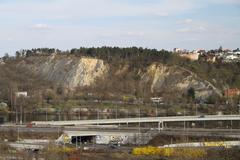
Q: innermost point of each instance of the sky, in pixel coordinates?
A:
(160, 24)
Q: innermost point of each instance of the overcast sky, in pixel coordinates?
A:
(67, 24)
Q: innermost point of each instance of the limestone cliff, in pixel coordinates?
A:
(163, 77)
(75, 72)
(68, 71)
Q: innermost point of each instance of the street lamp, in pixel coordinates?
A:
(98, 115)
(79, 114)
(59, 114)
(46, 113)
(239, 107)
(184, 123)
(196, 109)
(139, 126)
(157, 109)
(116, 113)
(21, 115)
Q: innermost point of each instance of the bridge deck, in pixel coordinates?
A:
(141, 120)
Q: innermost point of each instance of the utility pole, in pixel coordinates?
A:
(59, 114)
(116, 113)
(18, 133)
(157, 109)
(46, 113)
(239, 107)
(139, 117)
(184, 123)
(127, 117)
(98, 115)
(79, 114)
(16, 109)
(21, 116)
(139, 127)
(196, 109)
(11, 101)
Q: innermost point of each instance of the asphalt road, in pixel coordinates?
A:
(169, 131)
(142, 120)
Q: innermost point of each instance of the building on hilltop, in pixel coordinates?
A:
(191, 56)
(21, 94)
(232, 92)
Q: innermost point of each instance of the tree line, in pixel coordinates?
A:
(105, 53)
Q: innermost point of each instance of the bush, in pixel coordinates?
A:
(190, 153)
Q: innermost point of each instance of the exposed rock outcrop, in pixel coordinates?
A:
(69, 71)
(75, 72)
(173, 78)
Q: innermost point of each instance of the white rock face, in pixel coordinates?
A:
(162, 77)
(157, 73)
(68, 71)
(72, 72)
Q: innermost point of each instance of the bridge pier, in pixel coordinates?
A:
(160, 125)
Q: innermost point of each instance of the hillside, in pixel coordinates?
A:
(113, 73)
(68, 71)
(100, 77)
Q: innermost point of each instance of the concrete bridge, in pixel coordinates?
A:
(159, 120)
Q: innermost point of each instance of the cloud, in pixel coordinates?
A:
(163, 14)
(192, 26)
(41, 26)
(116, 34)
(185, 21)
(75, 9)
(195, 29)
(231, 2)
(134, 34)
(9, 39)
(70, 23)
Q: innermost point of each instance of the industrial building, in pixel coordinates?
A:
(99, 137)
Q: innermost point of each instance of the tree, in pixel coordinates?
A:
(6, 56)
(18, 54)
(220, 49)
(49, 95)
(191, 93)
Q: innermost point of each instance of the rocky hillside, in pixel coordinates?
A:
(175, 78)
(68, 71)
(77, 72)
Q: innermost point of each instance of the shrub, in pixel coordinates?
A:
(190, 153)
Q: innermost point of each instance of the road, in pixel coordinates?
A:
(141, 120)
(170, 131)
(203, 132)
(83, 130)
(55, 129)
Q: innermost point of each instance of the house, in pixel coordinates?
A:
(236, 53)
(21, 94)
(231, 57)
(177, 50)
(191, 56)
(209, 57)
(201, 51)
(157, 99)
(236, 50)
(232, 92)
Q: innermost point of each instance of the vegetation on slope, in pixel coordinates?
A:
(14, 78)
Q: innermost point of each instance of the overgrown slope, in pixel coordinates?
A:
(116, 72)
(116, 79)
